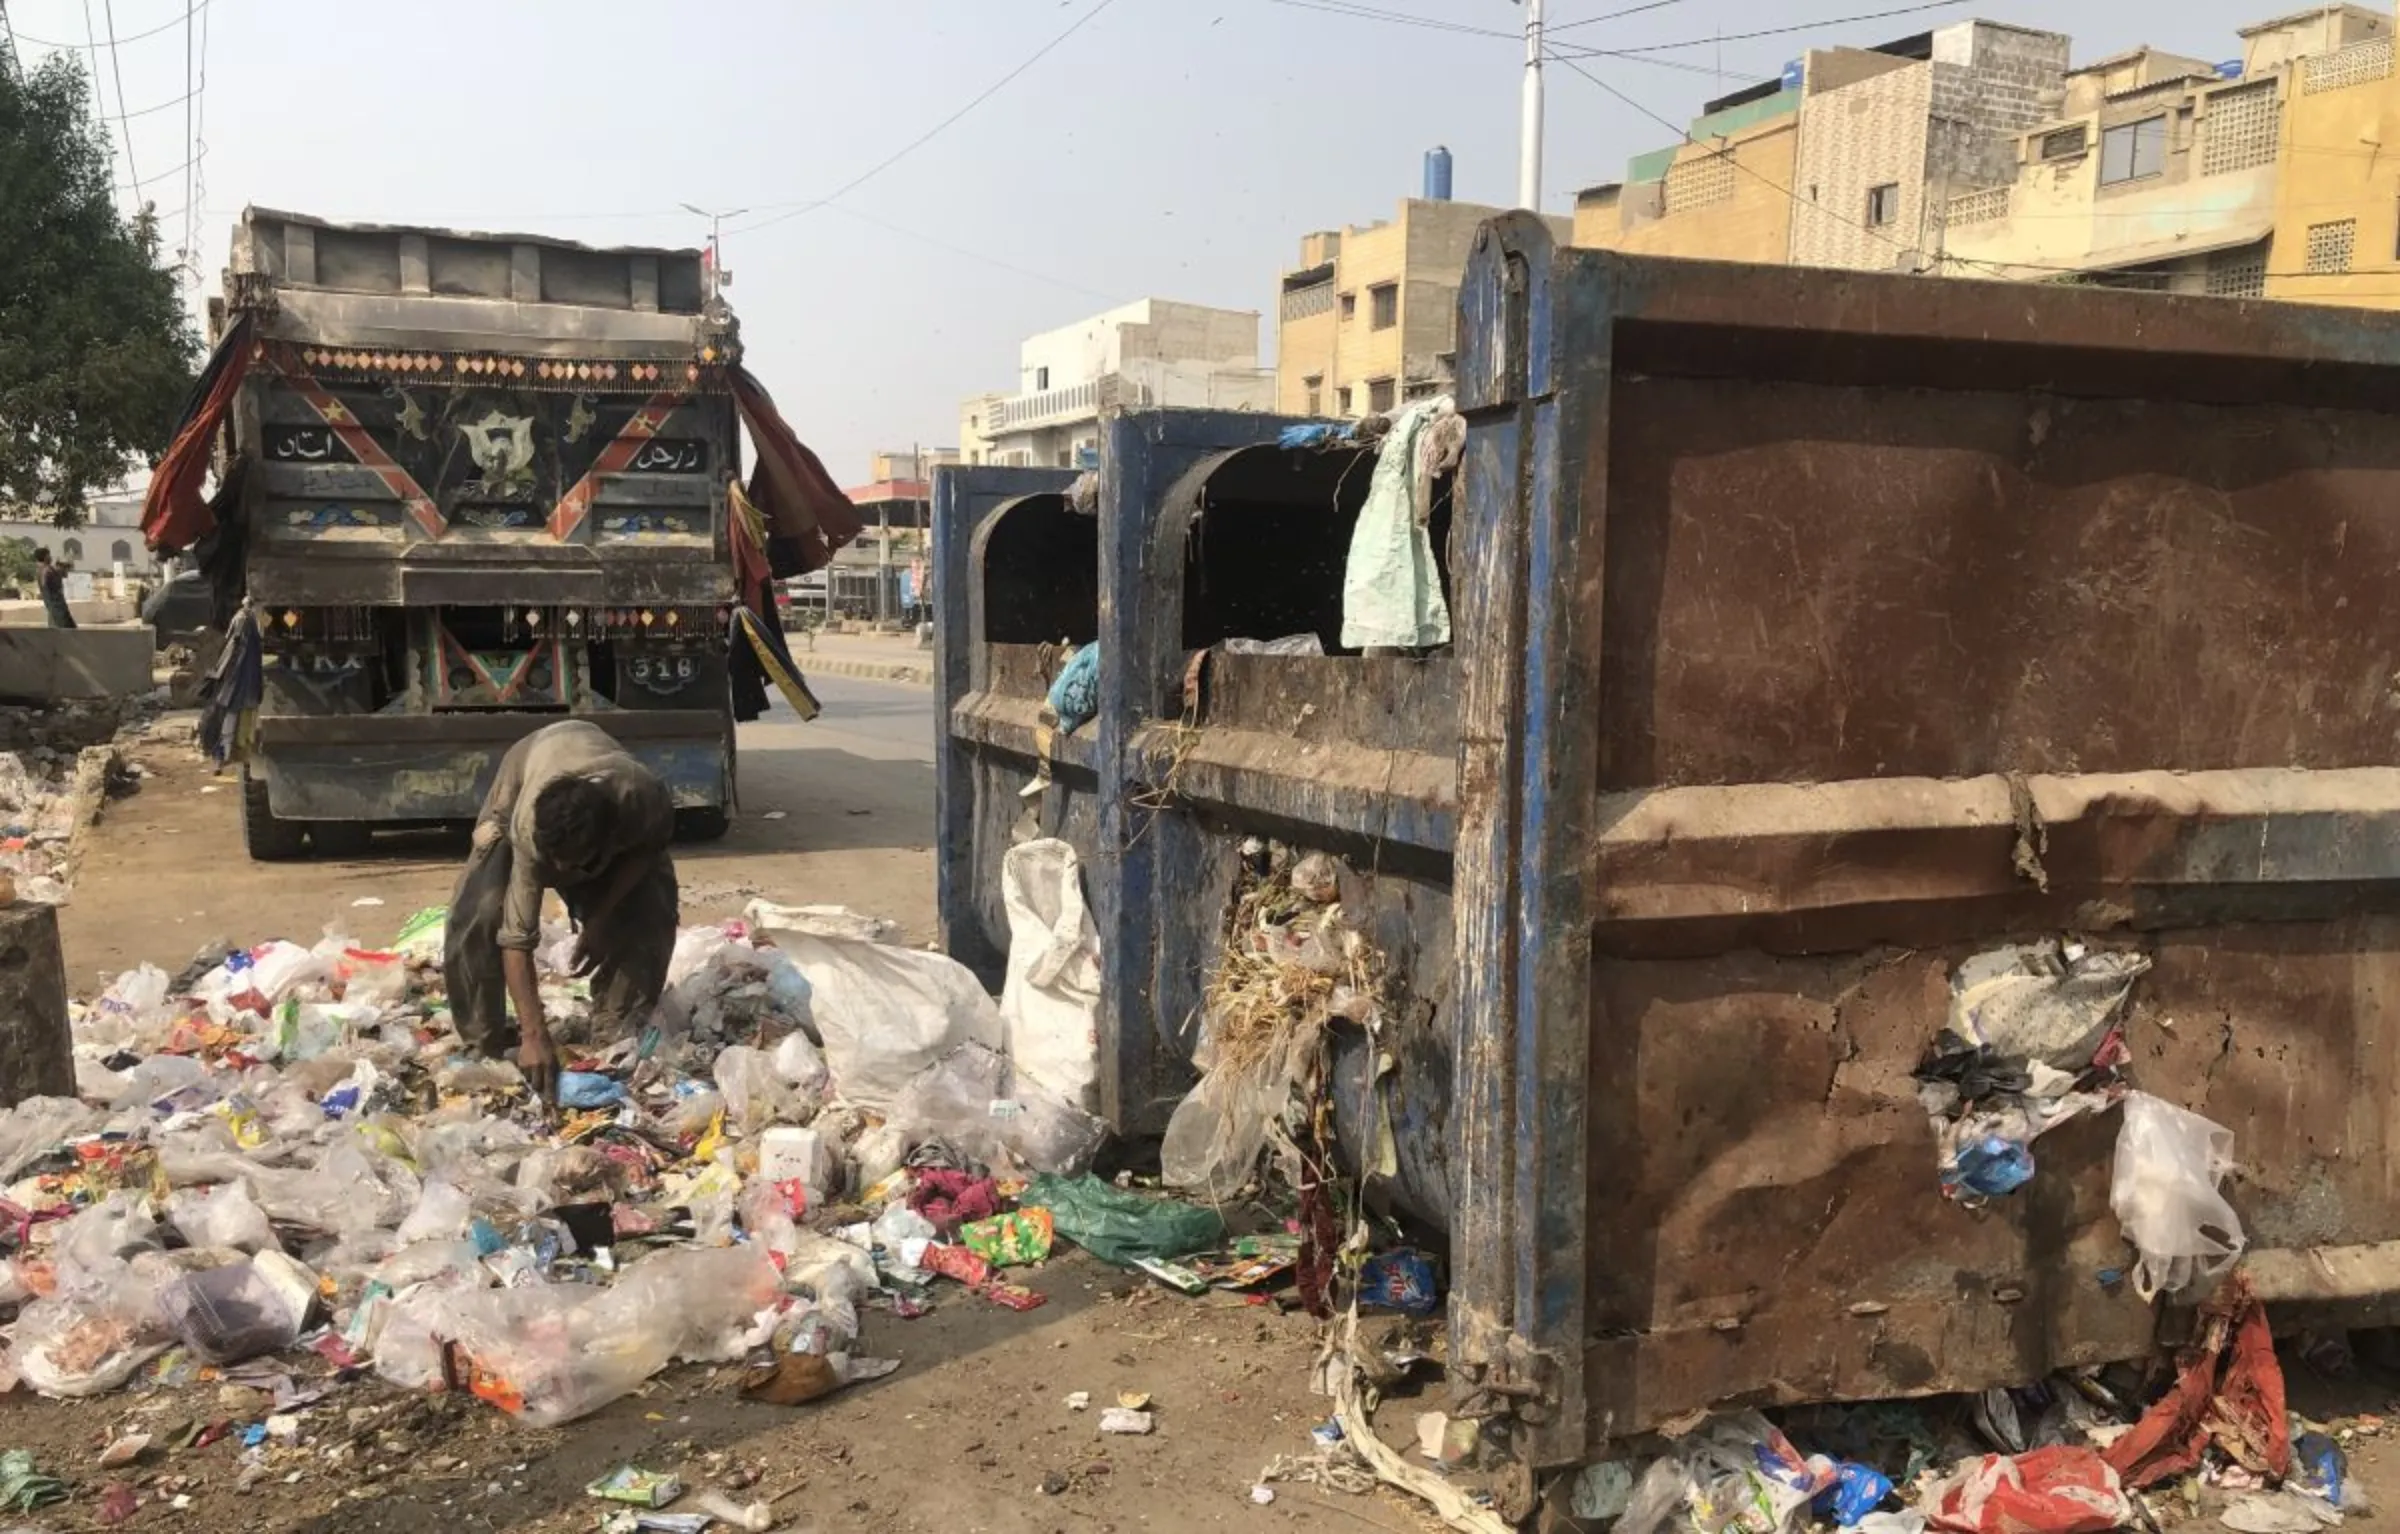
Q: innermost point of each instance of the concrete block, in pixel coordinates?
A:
(37, 1046)
(54, 665)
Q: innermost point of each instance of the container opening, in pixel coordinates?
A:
(1041, 574)
(1269, 542)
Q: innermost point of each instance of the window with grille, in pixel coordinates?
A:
(2134, 151)
(2238, 275)
(2242, 129)
(1698, 182)
(2358, 64)
(1383, 305)
(1301, 303)
(1315, 385)
(1349, 306)
(2331, 246)
(2066, 143)
(1379, 395)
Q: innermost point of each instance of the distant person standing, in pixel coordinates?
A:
(54, 590)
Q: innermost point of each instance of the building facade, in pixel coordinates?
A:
(1144, 355)
(1369, 317)
(2337, 220)
(110, 535)
(1845, 160)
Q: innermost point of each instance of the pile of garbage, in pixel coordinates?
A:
(2079, 1453)
(287, 1148)
(42, 793)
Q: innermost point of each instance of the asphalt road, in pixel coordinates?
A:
(839, 811)
(870, 719)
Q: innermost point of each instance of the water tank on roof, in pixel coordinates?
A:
(1437, 174)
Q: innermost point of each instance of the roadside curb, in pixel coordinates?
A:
(903, 672)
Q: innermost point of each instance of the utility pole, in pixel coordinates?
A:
(8, 46)
(716, 242)
(1529, 152)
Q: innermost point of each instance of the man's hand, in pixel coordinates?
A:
(537, 1057)
(584, 959)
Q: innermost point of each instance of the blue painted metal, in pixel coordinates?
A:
(965, 499)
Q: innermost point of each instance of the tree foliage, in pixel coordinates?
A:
(96, 353)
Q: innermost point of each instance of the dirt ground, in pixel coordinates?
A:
(961, 1439)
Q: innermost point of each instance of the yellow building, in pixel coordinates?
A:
(1724, 196)
(1369, 318)
(2337, 226)
(2174, 174)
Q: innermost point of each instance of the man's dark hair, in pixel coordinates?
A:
(572, 823)
(41, 556)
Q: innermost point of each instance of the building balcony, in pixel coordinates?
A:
(1025, 412)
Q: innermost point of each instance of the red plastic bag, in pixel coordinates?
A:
(2061, 1490)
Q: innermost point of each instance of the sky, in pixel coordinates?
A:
(1164, 148)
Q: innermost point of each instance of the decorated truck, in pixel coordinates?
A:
(447, 488)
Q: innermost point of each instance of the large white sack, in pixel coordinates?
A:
(884, 1012)
(1050, 1004)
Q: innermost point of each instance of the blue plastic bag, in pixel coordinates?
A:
(1075, 696)
(588, 1089)
(1992, 1167)
(1857, 1490)
(1402, 1281)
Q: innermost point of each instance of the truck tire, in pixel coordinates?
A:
(708, 823)
(267, 839)
(341, 838)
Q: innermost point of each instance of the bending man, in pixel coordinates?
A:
(570, 811)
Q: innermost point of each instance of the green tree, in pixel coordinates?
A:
(96, 353)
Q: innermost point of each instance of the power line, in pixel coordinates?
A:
(1593, 21)
(149, 111)
(131, 37)
(191, 138)
(1738, 37)
(1369, 13)
(108, 9)
(921, 140)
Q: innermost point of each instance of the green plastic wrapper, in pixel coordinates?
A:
(421, 935)
(1009, 1240)
(1121, 1227)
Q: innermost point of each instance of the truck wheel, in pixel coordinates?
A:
(267, 839)
(709, 823)
(341, 838)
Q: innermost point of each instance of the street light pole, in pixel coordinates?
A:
(1529, 151)
(716, 241)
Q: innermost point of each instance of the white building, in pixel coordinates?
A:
(111, 535)
(1145, 355)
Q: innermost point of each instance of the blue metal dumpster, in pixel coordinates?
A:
(1016, 575)
(1817, 630)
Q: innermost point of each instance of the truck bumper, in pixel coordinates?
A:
(386, 767)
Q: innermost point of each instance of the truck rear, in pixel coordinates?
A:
(468, 485)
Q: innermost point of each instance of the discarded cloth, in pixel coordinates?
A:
(2047, 1001)
(2229, 1391)
(1075, 696)
(1314, 434)
(1392, 587)
(229, 711)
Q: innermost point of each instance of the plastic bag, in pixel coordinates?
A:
(1118, 1226)
(351, 1188)
(884, 1013)
(131, 1013)
(756, 1095)
(279, 969)
(89, 1343)
(2062, 1490)
(39, 1125)
(225, 1315)
(801, 1065)
(1215, 1135)
(422, 935)
(969, 1101)
(2043, 1001)
(2164, 1191)
(225, 1216)
(788, 990)
(442, 1214)
(371, 979)
(1050, 1004)
(91, 1248)
(158, 1077)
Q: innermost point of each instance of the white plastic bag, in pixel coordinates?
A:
(756, 1095)
(885, 1013)
(2164, 1191)
(225, 1216)
(39, 1125)
(1050, 1004)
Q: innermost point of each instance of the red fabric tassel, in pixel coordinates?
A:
(174, 513)
(2230, 1390)
(800, 500)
